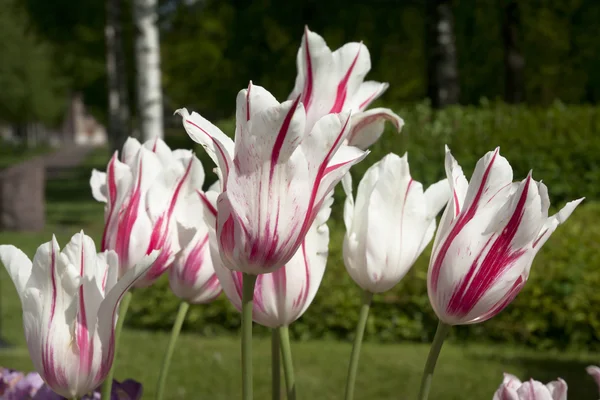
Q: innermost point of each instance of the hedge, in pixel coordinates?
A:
(558, 306)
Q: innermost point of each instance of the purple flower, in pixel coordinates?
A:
(15, 385)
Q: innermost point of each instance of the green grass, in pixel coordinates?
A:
(205, 368)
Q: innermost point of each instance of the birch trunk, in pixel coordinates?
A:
(118, 102)
(442, 70)
(147, 54)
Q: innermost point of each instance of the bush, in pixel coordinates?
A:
(557, 306)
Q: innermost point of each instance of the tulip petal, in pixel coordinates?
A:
(594, 372)
(321, 147)
(327, 81)
(18, 266)
(349, 202)
(257, 144)
(508, 388)
(458, 189)
(192, 276)
(165, 200)
(533, 390)
(81, 253)
(98, 185)
(249, 103)
(501, 260)
(132, 239)
(367, 126)
(161, 149)
(558, 389)
(552, 223)
(118, 185)
(491, 177)
(218, 146)
(107, 312)
(268, 181)
(437, 196)
(367, 92)
(130, 149)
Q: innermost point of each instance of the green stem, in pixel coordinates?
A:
(434, 352)
(358, 338)
(288, 366)
(247, 303)
(162, 379)
(123, 307)
(275, 366)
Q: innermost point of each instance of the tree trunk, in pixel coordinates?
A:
(514, 62)
(442, 71)
(147, 54)
(118, 102)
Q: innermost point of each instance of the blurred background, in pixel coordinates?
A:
(473, 74)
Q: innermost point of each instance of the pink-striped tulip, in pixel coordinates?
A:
(69, 301)
(275, 176)
(145, 194)
(332, 82)
(192, 276)
(513, 389)
(594, 372)
(487, 238)
(389, 225)
(282, 296)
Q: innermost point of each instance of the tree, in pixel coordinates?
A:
(514, 62)
(32, 87)
(118, 101)
(442, 72)
(147, 53)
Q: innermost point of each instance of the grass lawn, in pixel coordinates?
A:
(209, 368)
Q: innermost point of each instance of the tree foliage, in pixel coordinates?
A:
(32, 89)
(212, 48)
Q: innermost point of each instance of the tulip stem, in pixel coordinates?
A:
(288, 365)
(181, 313)
(123, 307)
(247, 303)
(358, 338)
(275, 365)
(434, 352)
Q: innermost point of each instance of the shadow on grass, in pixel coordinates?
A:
(546, 368)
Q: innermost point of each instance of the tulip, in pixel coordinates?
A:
(282, 296)
(275, 176)
(513, 389)
(332, 82)
(486, 241)
(390, 224)
(386, 230)
(145, 196)
(594, 372)
(69, 302)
